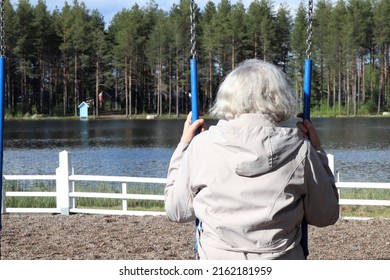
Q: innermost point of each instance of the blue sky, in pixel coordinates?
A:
(108, 8)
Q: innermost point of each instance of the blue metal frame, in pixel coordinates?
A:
(2, 90)
(307, 89)
(194, 89)
(306, 115)
(195, 115)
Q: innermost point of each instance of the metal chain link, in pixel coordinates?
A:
(193, 30)
(2, 32)
(309, 28)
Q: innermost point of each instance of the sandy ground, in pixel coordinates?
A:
(100, 237)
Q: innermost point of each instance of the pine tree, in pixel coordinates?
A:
(360, 41)
(321, 44)
(25, 51)
(208, 25)
(10, 44)
(283, 27)
(99, 53)
(42, 41)
(237, 32)
(382, 42)
(299, 47)
(338, 29)
(157, 48)
(224, 48)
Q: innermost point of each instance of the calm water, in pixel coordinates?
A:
(143, 147)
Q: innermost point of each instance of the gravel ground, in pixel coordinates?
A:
(100, 237)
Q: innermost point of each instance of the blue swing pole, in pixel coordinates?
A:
(194, 91)
(2, 90)
(307, 89)
(306, 110)
(195, 115)
(193, 66)
(194, 88)
(306, 115)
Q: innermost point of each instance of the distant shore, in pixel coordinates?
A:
(123, 116)
(99, 117)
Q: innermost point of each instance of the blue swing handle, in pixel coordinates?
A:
(195, 114)
(194, 89)
(306, 115)
(307, 89)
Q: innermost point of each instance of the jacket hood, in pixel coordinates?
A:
(254, 145)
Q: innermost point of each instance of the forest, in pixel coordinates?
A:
(139, 63)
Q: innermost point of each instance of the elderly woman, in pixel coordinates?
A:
(249, 180)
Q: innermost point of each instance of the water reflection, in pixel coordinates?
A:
(143, 147)
(84, 133)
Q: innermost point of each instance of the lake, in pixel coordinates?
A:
(144, 147)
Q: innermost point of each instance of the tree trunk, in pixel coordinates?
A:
(255, 45)
(10, 93)
(339, 89)
(51, 82)
(363, 85)
(97, 86)
(160, 86)
(177, 83)
(136, 87)
(126, 90)
(76, 87)
(210, 79)
(233, 54)
(328, 88)
(354, 85)
(170, 89)
(65, 95)
(382, 80)
(130, 86)
(334, 93)
(41, 84)
(386, 74)
(347, 91)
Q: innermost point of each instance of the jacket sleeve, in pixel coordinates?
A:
(321, 201)
(178, 194)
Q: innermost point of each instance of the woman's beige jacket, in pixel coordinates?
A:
(250, 183)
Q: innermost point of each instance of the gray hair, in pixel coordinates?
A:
(255, 86)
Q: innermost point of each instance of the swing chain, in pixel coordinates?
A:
(2, 32)
(193, 30)
(309, 29)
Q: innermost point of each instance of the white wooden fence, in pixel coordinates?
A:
(66, 195)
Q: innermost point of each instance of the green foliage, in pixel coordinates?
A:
(30, 202)
(57, 59)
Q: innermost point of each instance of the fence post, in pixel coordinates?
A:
(331, 163)
(124, 201)
(332, 168)
(63, 185)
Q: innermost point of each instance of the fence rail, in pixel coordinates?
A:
(66, 195)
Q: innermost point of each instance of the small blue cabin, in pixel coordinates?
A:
(83, 108)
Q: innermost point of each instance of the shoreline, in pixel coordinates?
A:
(116, 116)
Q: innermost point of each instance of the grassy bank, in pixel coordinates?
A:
(365, 211)
(93, 203)
(317, 112)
